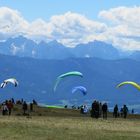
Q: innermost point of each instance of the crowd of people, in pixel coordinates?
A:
(122, 113)
(98, 109)
(8, 105)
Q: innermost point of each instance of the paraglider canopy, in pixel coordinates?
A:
(10, 80)
(81, 89)
(129, 82)
(71, 73)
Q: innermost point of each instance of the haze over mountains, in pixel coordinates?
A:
(102, 65)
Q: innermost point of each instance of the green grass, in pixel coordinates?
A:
(66, 124)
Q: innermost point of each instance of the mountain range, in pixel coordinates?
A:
(23, 47)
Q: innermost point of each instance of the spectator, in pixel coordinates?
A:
(121, 112)
(132, 111)
(104, 110)
(85, 109)
(125, 111)
(31, 107)
(4, 109)
(10, 107)
(25, 108)
(115, 113)
(82, 109)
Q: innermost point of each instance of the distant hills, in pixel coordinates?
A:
(23, 47)
(37, 77)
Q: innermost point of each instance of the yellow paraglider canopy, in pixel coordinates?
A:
(129, 82)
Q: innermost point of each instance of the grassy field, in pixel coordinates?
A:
(66, 124)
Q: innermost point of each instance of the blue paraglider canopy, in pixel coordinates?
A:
(81, 89)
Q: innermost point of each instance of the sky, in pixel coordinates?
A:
(33, 9)
(71, 22)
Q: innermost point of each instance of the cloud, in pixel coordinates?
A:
(69, 28)
(122, 15)
(123, 27)
(11, 21)
(72, 28)
(120, 26)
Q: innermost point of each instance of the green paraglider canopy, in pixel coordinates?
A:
(129, 82)
(71, 73)
(54, 106)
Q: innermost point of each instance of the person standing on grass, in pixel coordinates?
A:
(85, 110)
(125, 111)
(93, 109)
(10, 107)
(121, 112)
(82, 109)
(97, 110)
(24, 107)
(132, 111)
(115, 113)
(104, 110)
(100, 109)
(31, 107)
(4, 109)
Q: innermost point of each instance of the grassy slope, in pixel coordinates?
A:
(62, 124)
